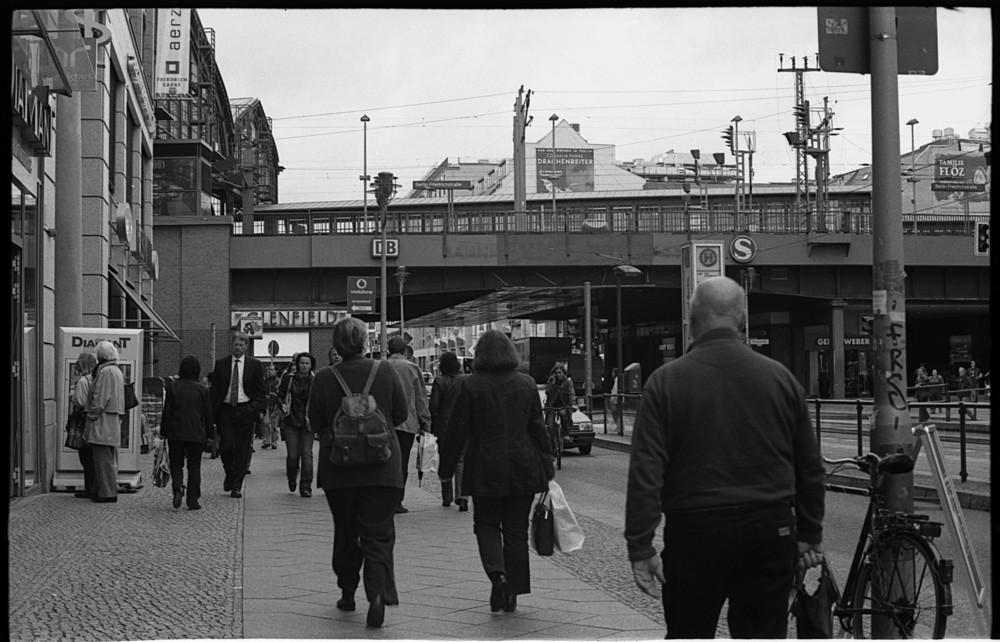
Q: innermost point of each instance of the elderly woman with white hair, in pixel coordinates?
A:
(105, 407)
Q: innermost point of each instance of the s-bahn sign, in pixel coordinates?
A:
(442, 184)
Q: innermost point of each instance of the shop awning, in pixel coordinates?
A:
(151, 321)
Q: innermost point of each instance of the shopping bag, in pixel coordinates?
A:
(429, 458)
(161, 465)
(568, 534)
(814, 613)
(542, 538)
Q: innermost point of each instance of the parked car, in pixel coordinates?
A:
(581, 436)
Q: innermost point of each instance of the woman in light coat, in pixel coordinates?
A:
(105, 408)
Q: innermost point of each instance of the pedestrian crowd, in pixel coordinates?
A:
(723, 447)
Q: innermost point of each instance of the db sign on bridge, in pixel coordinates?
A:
(361, 294)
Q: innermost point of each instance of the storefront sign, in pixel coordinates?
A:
(290, 318)
(172, 77)
(849, 342)
(30, 108)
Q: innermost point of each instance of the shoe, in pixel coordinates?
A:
(178, 496)
(402, 509)
(104, 500)
(305, 492)
(248, 471)
(463, 504)
(509, 603)
(227, 485)
(292, 485)
(376, 611)
(194, 505)
(346, 603)
(498, 596)
(236, 494)
(82, 494)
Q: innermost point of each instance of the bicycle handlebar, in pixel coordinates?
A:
(890, 464)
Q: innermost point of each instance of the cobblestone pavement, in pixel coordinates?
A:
(133, 570)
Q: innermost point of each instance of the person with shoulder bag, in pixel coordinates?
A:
(85, 365)
(298, 434)
(363, 496)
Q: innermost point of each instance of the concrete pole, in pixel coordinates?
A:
(891, 416)
(588, 340)
(69, 213)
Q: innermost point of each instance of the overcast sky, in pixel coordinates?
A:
(442, 84)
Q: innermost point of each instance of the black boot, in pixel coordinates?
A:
(446, 493)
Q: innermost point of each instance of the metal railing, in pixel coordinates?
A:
(768, 218)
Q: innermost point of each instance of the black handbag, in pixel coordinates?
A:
(814, 613)
(75, 424)
(543, 526)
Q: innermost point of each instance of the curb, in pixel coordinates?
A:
(921, 492)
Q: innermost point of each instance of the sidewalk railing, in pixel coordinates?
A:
(964, 409)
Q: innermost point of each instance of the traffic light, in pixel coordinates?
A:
(982, 238)
(574, 327)
(866, 324)
(600, 327)
(727, 136)
(802, 115)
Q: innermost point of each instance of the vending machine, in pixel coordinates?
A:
(71, 342)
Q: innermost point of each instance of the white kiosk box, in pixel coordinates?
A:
(71, 342)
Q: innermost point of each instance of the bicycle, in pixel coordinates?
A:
(557, 428)
(898, 583)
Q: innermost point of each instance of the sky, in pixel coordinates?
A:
(442, 84)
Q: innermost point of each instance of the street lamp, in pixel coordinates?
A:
(619, 272)
(913, 180)
(696, 155)
(364, 176)
(553, 118)
(736, 152)
(401, 275)
(385, 189)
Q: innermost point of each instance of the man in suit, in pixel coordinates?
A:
(236, 403)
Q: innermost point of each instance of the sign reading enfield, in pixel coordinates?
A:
(361, 295)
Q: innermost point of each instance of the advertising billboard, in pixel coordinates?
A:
(172, 75)
(572, 170)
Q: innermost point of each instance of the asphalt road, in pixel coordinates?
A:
(595, 487)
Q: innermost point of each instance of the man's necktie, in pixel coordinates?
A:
(234, 385)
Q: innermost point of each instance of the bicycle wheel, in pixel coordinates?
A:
(900, 587)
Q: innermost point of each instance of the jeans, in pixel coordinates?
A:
(405, 446)
(299, 442)
(501, 527)
(191, 451)
(744, 554)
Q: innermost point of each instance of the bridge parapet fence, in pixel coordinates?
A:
(765, 218)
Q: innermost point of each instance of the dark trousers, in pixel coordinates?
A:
(405, 446)
(299, 442)
(745, 554)
(501, 527)
(235, 439)
(364, 535)
(191, 451)
(87, 461)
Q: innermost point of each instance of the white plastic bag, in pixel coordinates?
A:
(569, 535)
(429, 458)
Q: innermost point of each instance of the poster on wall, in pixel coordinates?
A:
(73, 341)
(172, 75)
(571, 171)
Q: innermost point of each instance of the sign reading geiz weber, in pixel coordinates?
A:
(172, 74)
(572, 171)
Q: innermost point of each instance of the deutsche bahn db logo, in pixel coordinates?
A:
(743, 249)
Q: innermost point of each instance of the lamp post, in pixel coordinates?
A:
(401, 275)
(686, 197)
(553, 118)
(913, 172)
(365, 178)
(620, 271)
(385, 189)
(736, 152)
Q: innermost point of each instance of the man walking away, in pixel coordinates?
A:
(724, 448)
(418, 418)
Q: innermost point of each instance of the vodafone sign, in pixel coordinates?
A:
(743, 249)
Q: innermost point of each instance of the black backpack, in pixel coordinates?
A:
(360, 432)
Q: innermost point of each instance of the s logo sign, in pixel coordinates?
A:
(743, 249)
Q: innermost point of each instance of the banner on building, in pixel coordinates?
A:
(172, 77)
(571, 171)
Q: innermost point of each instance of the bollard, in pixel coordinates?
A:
(963, 472)
(819, 440)
(860, 429)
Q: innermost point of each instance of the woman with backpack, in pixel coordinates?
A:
(294, 391)
(362, 496)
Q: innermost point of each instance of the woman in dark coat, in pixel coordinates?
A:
(443, 394)
(298, 434)
(362, 499)
(497, 421)
(186, 423)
